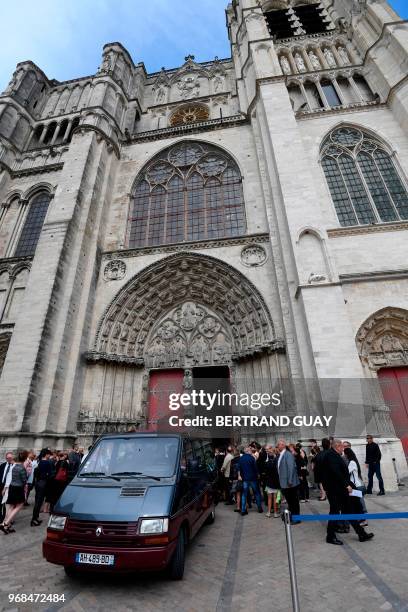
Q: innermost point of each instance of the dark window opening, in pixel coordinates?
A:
(307, 19)
(311, 18)
(279, 24)
(33, 225)
(330, 93)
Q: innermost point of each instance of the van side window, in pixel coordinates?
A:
(188, 456)
(199, 453)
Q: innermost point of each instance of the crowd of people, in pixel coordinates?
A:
(262, 475)
(272, 475)
(48, 474)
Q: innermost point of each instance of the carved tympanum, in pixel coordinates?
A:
(187, 308)
(189, 334)
(383, 339)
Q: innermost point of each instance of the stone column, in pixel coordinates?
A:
(338, 91)
(55, 135)
(304, 94)
(43, 133)
(321, 94)
(356, 89)
(67, 131)
(57, 296)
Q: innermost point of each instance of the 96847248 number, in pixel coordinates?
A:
(36, 597)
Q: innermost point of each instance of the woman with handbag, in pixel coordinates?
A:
(59, 482)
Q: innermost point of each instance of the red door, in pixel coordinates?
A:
(394, 386)
(161, 384)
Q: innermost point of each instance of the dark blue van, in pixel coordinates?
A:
(135, 503)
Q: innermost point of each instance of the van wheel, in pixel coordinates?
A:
(176, 565)
(210, 518)
(71, 572)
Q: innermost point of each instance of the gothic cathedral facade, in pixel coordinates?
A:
(244, 214)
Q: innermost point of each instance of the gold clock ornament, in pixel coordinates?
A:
(189, 113)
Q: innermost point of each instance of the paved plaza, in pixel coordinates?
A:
(239, 563)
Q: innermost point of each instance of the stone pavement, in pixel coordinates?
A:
(238, 564)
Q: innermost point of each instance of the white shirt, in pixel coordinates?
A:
(353, 471)
(280, 456)
(7, 482)
(226, 466)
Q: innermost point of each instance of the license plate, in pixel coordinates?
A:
(94, 558)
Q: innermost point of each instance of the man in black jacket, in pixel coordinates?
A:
(336, 483)
(4, 470)
(373, 459)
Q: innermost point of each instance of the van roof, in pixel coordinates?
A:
(150, 434)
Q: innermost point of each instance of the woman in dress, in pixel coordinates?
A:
(15, 493)
(303, 472)
(356, 478)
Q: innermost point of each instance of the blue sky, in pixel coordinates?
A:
(65, 38)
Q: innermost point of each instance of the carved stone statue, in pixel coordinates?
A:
(314, 60)
(14, 81)
(390, 343)
(330, 58)
(300, 62)
(218, 83)
(107, 63)
(189, 87)
(160, 94)
(343, 55)
(285, 65)
(187, 380)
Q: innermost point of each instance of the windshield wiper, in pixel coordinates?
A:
(135, 474)
(97, 475)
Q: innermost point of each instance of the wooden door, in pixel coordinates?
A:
(394, 386)
(161, 384)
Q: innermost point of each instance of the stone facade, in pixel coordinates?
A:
(294, 296)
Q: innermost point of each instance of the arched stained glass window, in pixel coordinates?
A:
(30, 234)
(190, 191)
(362, 177)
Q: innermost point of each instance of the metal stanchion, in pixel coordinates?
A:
(399, 483)
(291, 561)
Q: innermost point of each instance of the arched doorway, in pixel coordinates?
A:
(382, 342)
(184, 319)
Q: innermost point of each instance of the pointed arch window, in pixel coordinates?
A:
(191, 191)
(363, 179)
(34, 221)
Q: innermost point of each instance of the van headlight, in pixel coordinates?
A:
(57, 522)
(156, 525)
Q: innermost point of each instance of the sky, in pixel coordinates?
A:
(65, 37)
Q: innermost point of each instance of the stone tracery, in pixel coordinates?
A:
(196, 306)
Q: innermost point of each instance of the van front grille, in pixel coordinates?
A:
(112, 533)
(133, 491)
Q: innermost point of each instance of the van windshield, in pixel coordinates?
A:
(132, 456)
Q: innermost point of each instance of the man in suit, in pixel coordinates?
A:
(4, 471)
(337, 484)
(373, 462)
(289, 479)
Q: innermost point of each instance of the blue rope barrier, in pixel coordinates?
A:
(350, 517)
